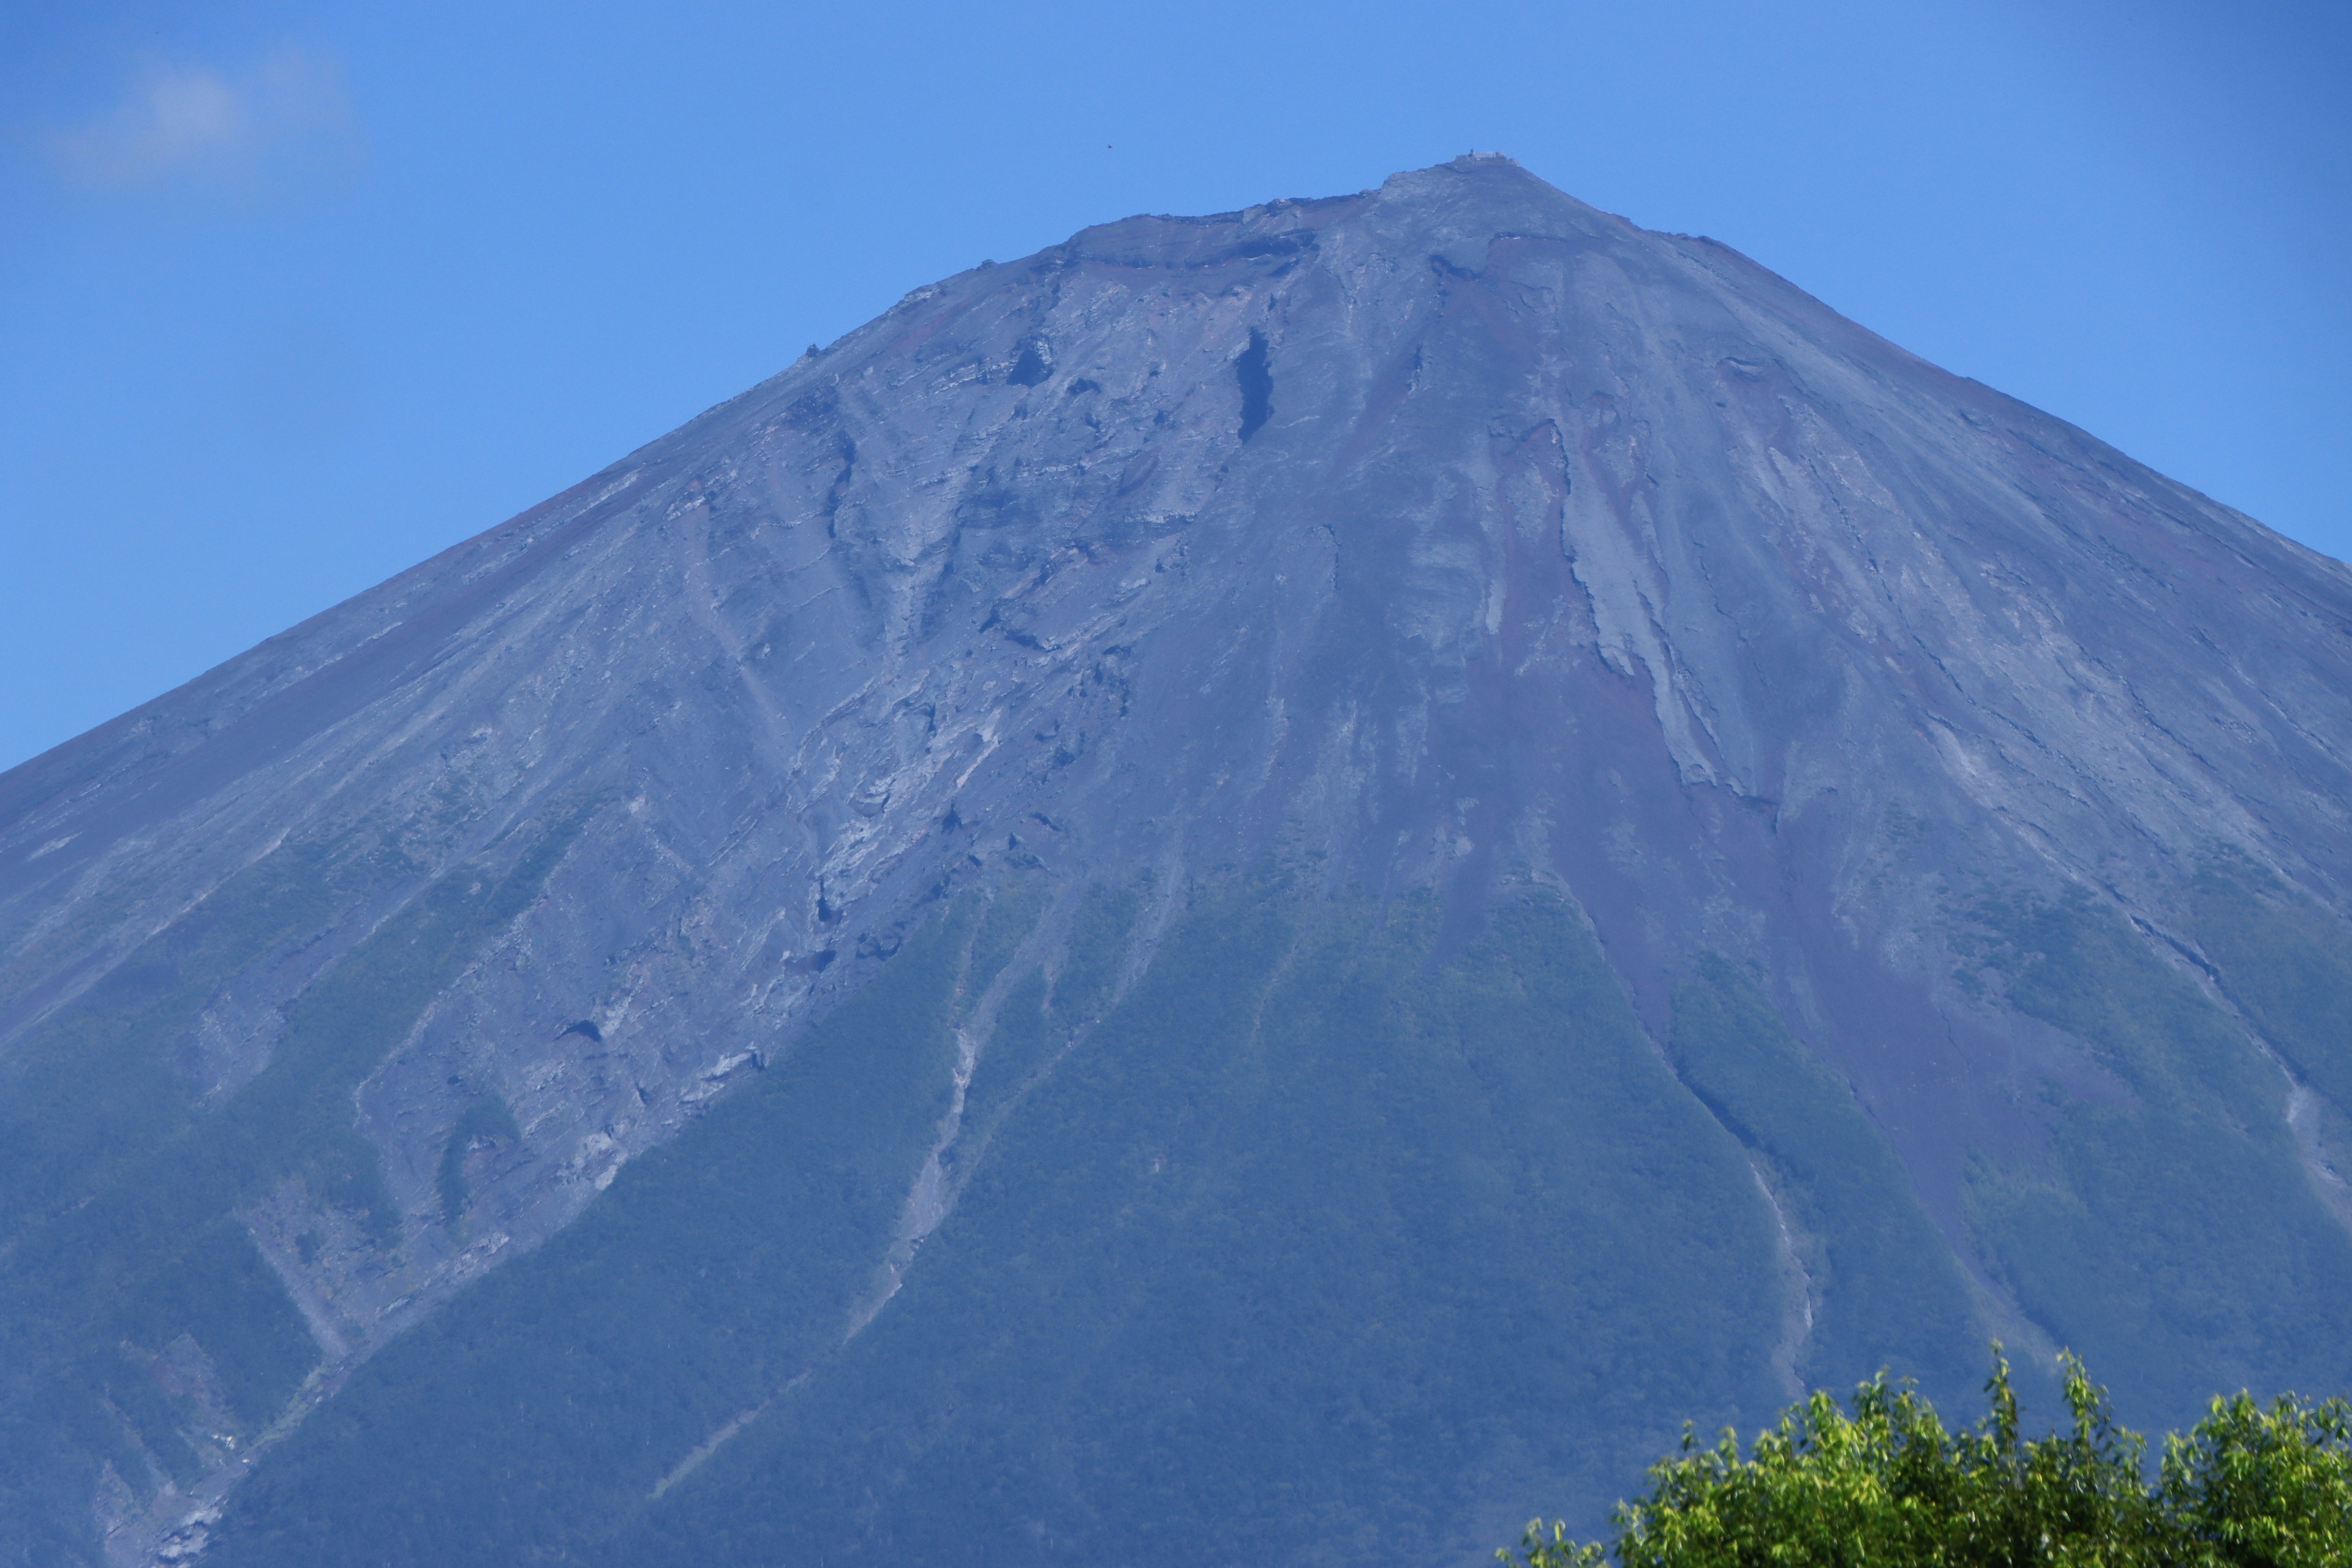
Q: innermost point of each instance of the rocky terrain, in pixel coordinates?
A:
(1544, 775)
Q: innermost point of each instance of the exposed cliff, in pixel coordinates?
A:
(1449, 810)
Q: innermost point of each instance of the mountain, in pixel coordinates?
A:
(1266, 888)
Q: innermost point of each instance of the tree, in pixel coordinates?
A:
(2253, 1486)
(1889, 1485)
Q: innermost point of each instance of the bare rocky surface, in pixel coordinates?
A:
(1454, 535)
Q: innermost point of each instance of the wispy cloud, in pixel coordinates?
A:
(280, 127)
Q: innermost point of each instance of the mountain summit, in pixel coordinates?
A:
(1266, 888)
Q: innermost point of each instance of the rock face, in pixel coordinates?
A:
(1270, 886)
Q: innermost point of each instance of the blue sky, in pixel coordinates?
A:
(293, 295)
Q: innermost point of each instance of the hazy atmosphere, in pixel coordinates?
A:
(294, 295)
(1221, 786)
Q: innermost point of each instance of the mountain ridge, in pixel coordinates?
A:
(1932, 782)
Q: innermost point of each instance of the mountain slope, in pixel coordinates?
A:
(1259, 886)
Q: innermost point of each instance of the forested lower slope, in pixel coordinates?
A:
(1266, 886)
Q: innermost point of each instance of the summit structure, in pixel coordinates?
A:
(1266, 888)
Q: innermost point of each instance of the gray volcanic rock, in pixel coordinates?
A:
(1451, 546)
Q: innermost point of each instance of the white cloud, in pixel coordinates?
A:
(281, 126)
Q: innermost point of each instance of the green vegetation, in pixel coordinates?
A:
(126, 1238)
(2288, 963)
(1889, 1292)
(541, 1409)
(96, 1090)
(1318, 1238)
(1010, 916)
(1312, 1237)
(1308, 1230)
(223, 1296)
(488, 1120)
(1097, 946)
(1317, 1233)
(1028, 1029)
(2248, 1488)
(1020, 1045)
(2171, 1233)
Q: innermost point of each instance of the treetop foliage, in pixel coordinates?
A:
(2249, 1487)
